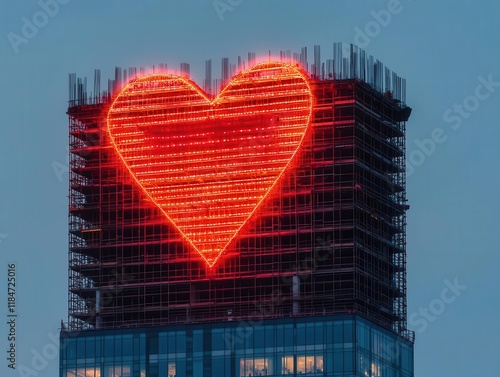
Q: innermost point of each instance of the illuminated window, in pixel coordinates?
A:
(309, 364)
(82, 372)
(319, 364)
(116, 371)
(287, 366)
(255, 367)
(172, 370)
(375, 370)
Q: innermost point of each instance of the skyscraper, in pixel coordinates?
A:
(260, 231)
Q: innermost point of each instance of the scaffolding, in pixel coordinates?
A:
(329, 239)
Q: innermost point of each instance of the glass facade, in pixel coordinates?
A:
(313, 346)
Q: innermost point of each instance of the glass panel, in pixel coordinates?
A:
(171, 342)
(180, 368)
(198, 368)
(109, 371)
(71, 349)
(98, 352)
(80, 348)
(329, 334)
(348, 332)
(263, 367)
(301, 364)
(364, 365)
(81, 372)
(310, 334)
(376, 343)
(246, 367)
(143, 344)
(162, 369)
(301, 334)
(153, 344)
(218, 340)
(362, 336)
(248, 335)
(227, 368)
(328, 364)
(125, 371)
(162, 344)
(279, 335)
(109, 347)
(375, 372)
(118, 345)
(318, 366)
(181, 341)
(172, 370)
(255, 367)
(338, 361)
(287, 366)
(217, 367)
(89, 348)
(338, 333)
(259, 337)
(318, 333)
(348, 361)
(306, 364)
(197, 340)
(288, 335)
(406, 358)
(269, 336)
(116, 371)
(127, 345)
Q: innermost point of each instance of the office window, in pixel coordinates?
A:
(287, 366)
(115, 371)
(309, 364)
(82, 372)
(255, 367)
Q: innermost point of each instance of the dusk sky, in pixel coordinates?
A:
(449, 53)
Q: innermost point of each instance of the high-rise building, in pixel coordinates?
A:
(259, 232)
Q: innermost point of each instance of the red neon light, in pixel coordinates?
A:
(209, 164)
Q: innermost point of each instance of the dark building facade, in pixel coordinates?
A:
(314, 283)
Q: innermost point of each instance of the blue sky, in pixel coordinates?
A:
(445, 50)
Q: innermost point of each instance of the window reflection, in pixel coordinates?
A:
(375, 370)
(255, 367)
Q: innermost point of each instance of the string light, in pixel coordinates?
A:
(209, 164)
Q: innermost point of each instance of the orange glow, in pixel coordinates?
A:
(209, 164)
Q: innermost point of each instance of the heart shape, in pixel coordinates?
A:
(208, 164)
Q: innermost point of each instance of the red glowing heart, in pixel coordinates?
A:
(208, 164)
